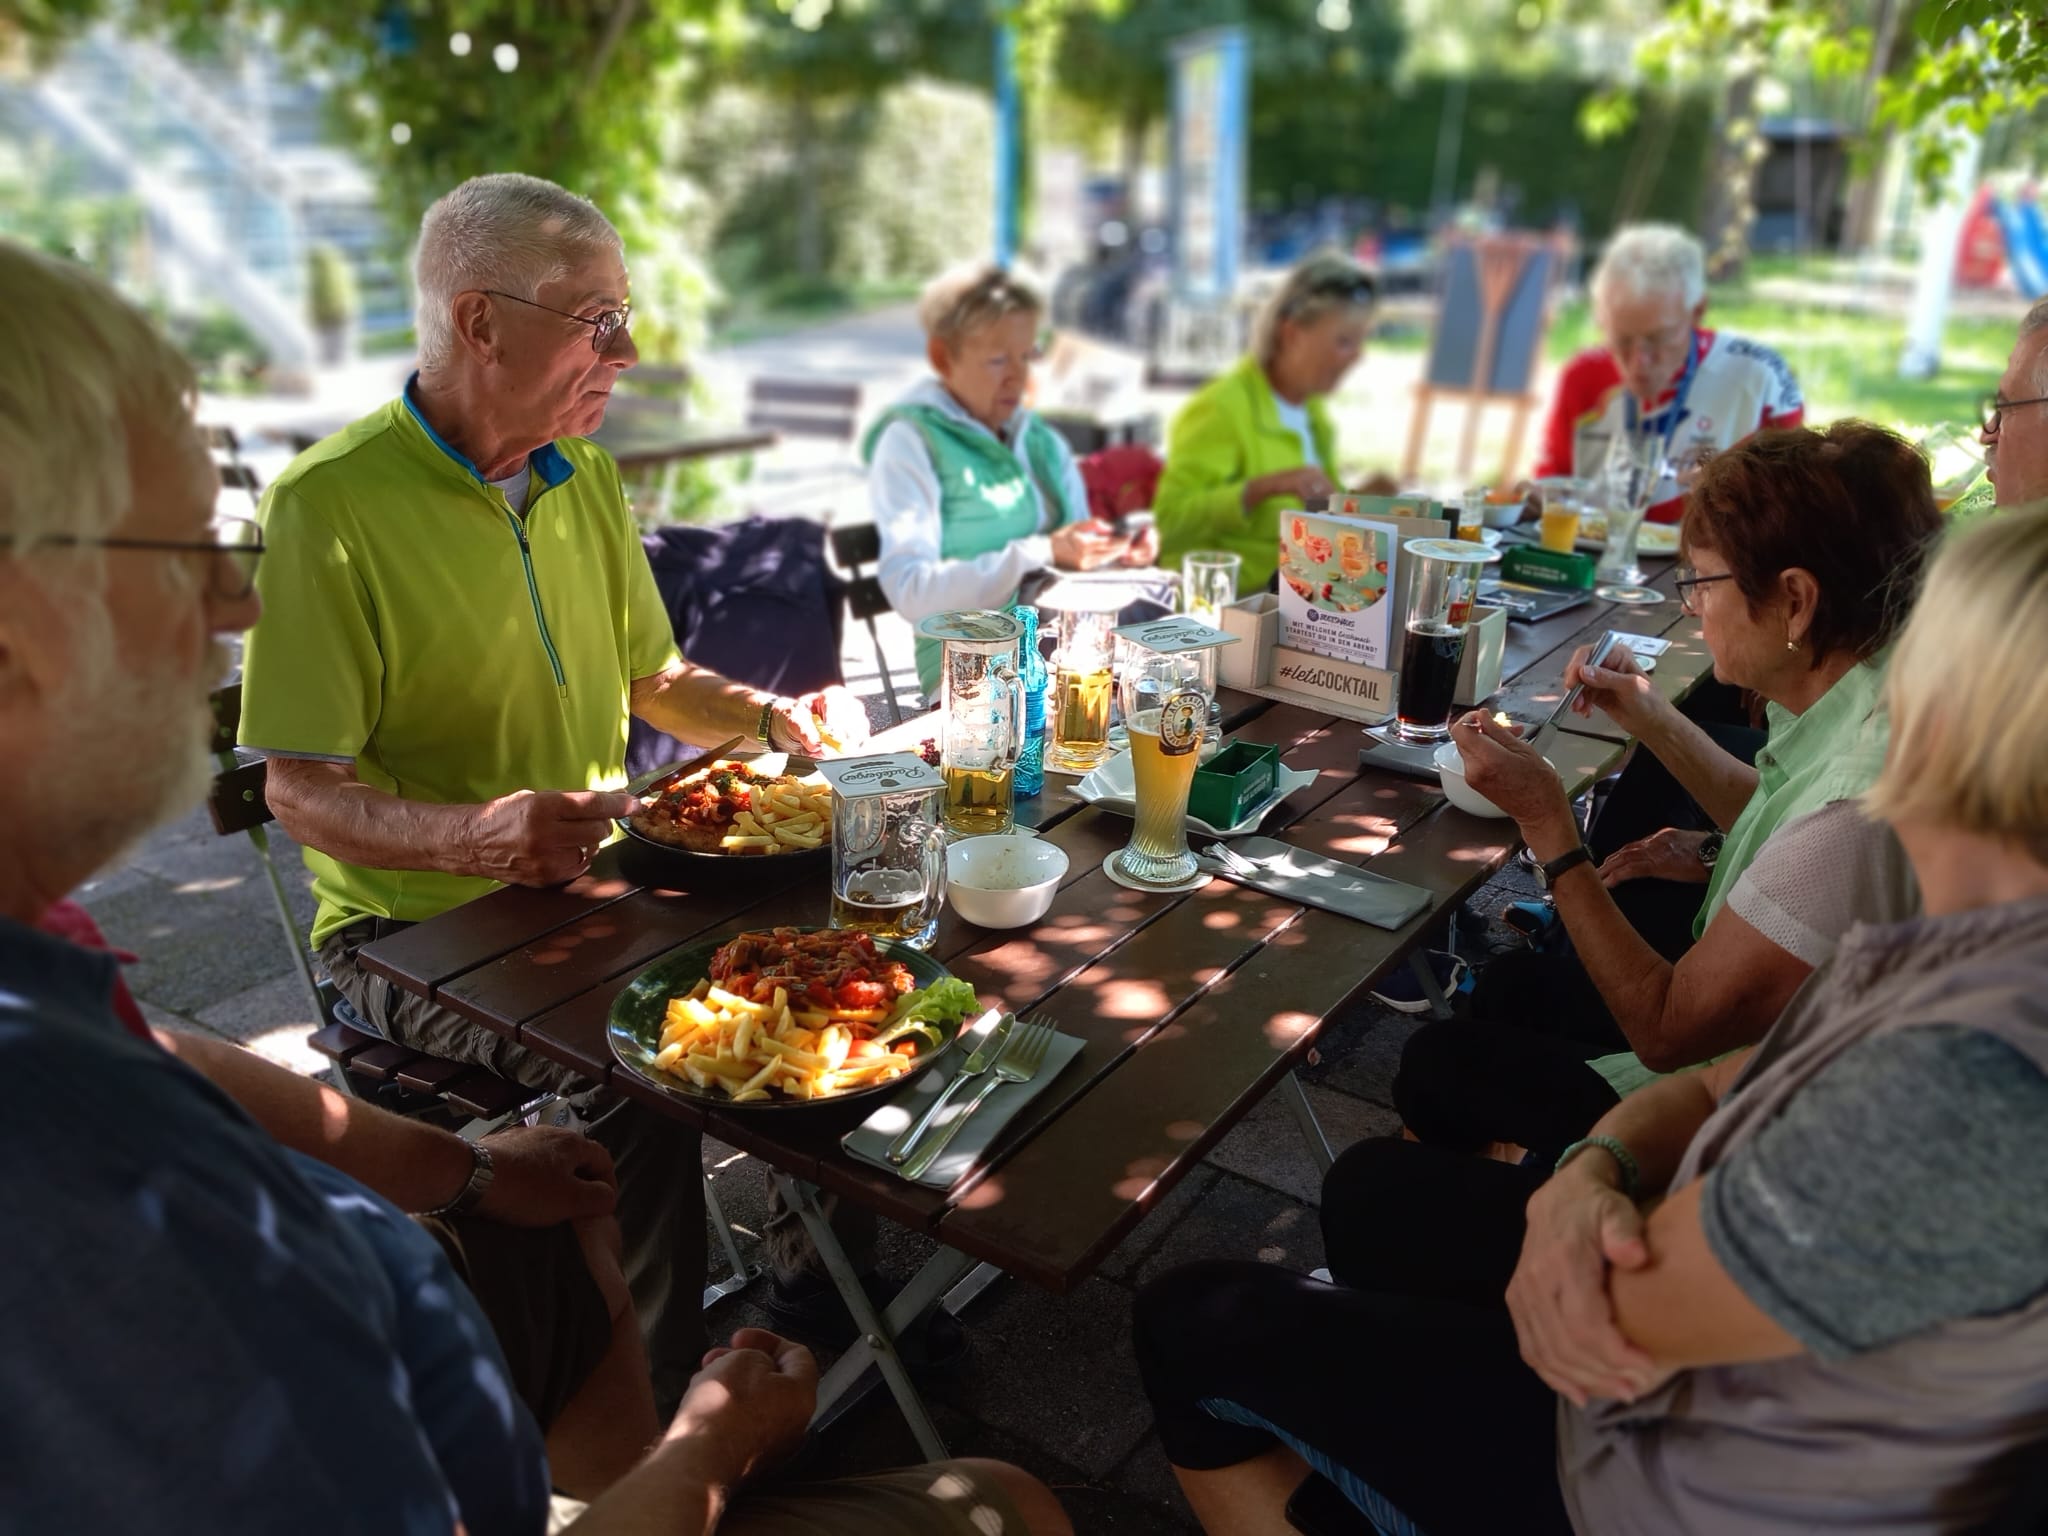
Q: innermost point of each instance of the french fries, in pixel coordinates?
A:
(792, 813)
(745, 1049)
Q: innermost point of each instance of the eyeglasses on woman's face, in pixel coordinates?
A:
(1688, 584)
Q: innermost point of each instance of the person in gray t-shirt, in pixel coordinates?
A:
(1472, 1086)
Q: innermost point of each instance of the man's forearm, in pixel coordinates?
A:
(1722, 784)
(416, 1167)
(358, 824)
(698, 706)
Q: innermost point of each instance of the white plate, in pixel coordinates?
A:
(1110, 787)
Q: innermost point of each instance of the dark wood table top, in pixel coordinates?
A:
(1189, 1007)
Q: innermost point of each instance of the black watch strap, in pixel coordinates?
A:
(1710, 848)
(1550, 870)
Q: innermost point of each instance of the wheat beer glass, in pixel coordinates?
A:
(888, 851)
(1166, 710)
(981, 717)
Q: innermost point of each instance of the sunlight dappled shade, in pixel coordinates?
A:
(547, 956)
(1184, 1130)
(1133, 999)
(988, 1192)
(1283, 1030)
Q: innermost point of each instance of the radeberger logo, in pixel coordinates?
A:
(1183, 717)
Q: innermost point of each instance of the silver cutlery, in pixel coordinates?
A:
(979, 1062)
(1022, 1056)
(1224, 854)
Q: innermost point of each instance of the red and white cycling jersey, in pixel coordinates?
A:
(1736, 387)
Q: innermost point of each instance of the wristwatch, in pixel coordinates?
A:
(472, 1193)
(1547, 873)
(1710, 850)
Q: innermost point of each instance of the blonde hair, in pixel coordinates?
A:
(510, 232)
(80, 370)
(1325, 282)
(1967, 689)
(1650, 259)
(963, 299)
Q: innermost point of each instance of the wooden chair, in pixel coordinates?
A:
(853, 546)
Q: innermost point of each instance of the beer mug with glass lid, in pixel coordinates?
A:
(981, 717)
(888, 847)
(1078, 713)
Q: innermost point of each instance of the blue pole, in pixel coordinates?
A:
(1008, 111)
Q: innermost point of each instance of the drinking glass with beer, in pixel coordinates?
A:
(1166, 710)
(1082, 684)
(981, 717)
(1443, 579)
(1208, 583)
(888, 848)
(1564, 501)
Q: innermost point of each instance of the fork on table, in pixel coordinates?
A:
(1023, 1054)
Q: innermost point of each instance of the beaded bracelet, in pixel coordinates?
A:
(1631, 1173)
(766, 729)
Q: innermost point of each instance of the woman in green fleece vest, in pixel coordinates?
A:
(972, 492)
(1258, 441)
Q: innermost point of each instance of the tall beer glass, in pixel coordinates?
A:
(1166, 710)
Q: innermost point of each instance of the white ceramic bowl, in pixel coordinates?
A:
(1004, 881)
(1450, 770)
(1503, 515)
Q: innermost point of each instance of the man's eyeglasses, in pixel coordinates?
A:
(1691, 580)
(603, 327)
(1991, 408)
(1656, 343)
(231, 573)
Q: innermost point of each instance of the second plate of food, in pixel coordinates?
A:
(732, 814)
(784, 1018)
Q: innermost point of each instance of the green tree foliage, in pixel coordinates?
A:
(1964, 64)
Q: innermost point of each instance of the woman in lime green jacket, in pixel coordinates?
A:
(1257, 441)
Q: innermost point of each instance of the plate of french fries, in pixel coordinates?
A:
(786, 1017)
(737, 807)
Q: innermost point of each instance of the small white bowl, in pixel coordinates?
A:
(1504, 514)
(1450, 771)
(1003, 881)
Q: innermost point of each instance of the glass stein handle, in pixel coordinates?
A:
(1008, 690)
(931, 846)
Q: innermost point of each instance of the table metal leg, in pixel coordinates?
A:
(717, 1290)
(878, 1331)
(1311, 1127)
(1425, 977)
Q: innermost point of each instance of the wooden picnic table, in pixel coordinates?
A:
(1190, 1008)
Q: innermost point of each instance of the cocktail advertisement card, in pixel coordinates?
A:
(1335, 577)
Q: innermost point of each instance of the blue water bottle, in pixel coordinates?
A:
(1029, 777)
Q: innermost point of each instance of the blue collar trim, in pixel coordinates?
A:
(547, 461)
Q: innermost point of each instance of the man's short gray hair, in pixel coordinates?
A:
(2035, 320)
(1646, 259)
(963, 299)
(80, 370)
(509, 232)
